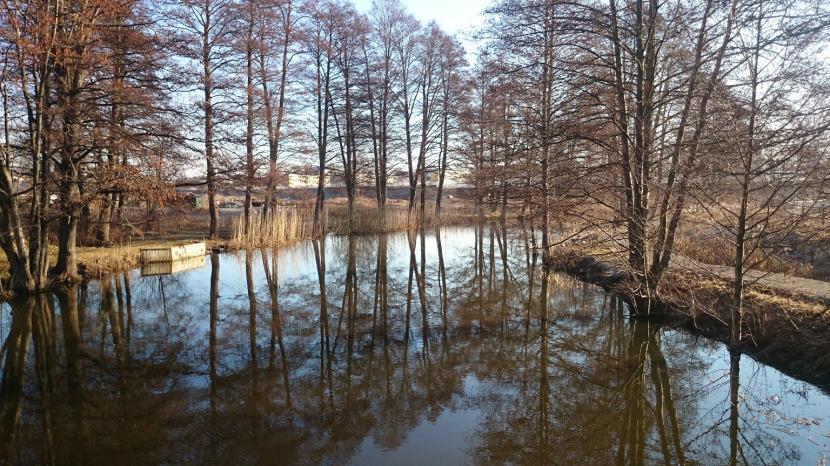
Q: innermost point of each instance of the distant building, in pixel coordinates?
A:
(451, 180)
(299, 180)
(197, 201)
(454, 179)
(397, 180)
(308, 176)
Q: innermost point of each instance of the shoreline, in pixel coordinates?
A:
(781, 330)
(95, 262)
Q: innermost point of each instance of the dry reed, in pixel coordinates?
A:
(370, 220)
(280, 226)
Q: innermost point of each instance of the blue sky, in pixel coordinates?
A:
(454, 16)
(457, 17)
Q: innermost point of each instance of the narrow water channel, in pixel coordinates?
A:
(396, 349)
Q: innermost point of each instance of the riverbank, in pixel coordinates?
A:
(177, 227)
(95, 262)
(783, 326)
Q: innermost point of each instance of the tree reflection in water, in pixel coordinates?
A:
(346, 349)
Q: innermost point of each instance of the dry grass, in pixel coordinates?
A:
(780, 328)
(281, 226)
(704, 244)
(368, 218)
(707, 246)
(94, 262)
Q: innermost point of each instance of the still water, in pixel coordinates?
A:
(399, 349)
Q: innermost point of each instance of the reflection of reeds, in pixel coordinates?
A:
(281, 226)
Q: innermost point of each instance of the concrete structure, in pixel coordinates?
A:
(172, 253)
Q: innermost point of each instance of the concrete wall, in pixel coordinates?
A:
(172, 253)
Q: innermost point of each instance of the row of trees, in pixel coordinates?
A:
(85, 117)
(106, 102)
(626, 114)
(616, 115)
(388, 90)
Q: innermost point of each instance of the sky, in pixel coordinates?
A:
(454, 16)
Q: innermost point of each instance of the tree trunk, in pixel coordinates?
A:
(275, 128)
(66, 267)
(208, 114)
(323, 99)
(442, 156)
(104, 217)
(249, 130)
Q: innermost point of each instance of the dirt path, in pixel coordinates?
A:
(806, 287)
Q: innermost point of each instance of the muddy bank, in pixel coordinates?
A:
(787, 332)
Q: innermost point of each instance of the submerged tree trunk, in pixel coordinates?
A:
(16, 353)
(734, 404)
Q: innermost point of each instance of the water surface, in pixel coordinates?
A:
(397, 349)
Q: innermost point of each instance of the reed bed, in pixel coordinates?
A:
(281, 226)
(397, 217)
(368, 220)
(290, 224)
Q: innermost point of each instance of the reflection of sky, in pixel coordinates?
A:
(788, 411)
(188, 293)
(781, 418)
(448, 436)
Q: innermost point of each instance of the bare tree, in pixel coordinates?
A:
(205, 29)
(28, 64)
(350, 35)
(319, 30)
(404, 46)
(451, 75)
(381, 74)
(768, 152)
(275, 33)
(250, 169)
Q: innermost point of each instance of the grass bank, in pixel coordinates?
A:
(94, 262)
(780, 328)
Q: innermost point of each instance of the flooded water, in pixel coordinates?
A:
(399, 349)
